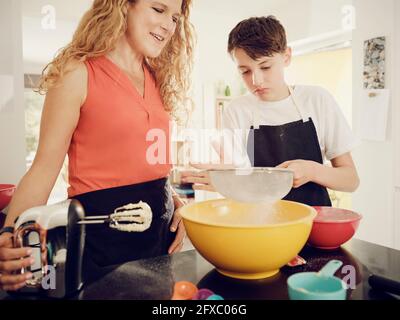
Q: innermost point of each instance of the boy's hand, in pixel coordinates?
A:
(304, 171)
(201, 180)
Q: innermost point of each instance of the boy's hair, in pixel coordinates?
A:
(258, 36)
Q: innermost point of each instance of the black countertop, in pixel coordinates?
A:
(153, 279)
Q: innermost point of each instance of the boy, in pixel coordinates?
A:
(290, 127)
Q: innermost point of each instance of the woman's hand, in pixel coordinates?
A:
(177, 226)
(304, 171)
(13, 260)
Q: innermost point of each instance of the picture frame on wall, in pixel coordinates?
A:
(374, 63)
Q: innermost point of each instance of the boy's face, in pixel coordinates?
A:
(263, 77)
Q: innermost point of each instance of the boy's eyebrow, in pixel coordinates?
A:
(265, 60)
(165, 7)
(261, 62)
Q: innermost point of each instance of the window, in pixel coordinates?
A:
(33, 110)
(331, 69)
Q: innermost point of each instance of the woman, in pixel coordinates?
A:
(125, 71)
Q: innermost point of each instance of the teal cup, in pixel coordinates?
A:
(322, 285)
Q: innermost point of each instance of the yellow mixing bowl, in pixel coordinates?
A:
(245, 240)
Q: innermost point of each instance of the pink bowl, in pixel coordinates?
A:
(6, 193)
(333, 227)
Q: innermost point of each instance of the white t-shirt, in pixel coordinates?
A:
(334, 133)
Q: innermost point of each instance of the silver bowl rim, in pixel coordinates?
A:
(256, 169)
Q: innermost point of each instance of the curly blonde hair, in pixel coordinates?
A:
(98, 32)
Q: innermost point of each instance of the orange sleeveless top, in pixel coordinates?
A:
(113, 144)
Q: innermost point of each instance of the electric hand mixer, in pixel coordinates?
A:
(56, 235)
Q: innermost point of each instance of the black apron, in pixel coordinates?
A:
(269, 146)
(105, 246)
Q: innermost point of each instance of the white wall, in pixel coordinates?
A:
(51, 40)
(375, 160)
(40, 44)
(12, 127)
(309, 18)
(396, 135)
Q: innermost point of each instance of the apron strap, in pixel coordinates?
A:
(256, 118)
(298, 105)
(256, 113)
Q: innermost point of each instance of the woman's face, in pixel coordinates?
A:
(151, 24)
